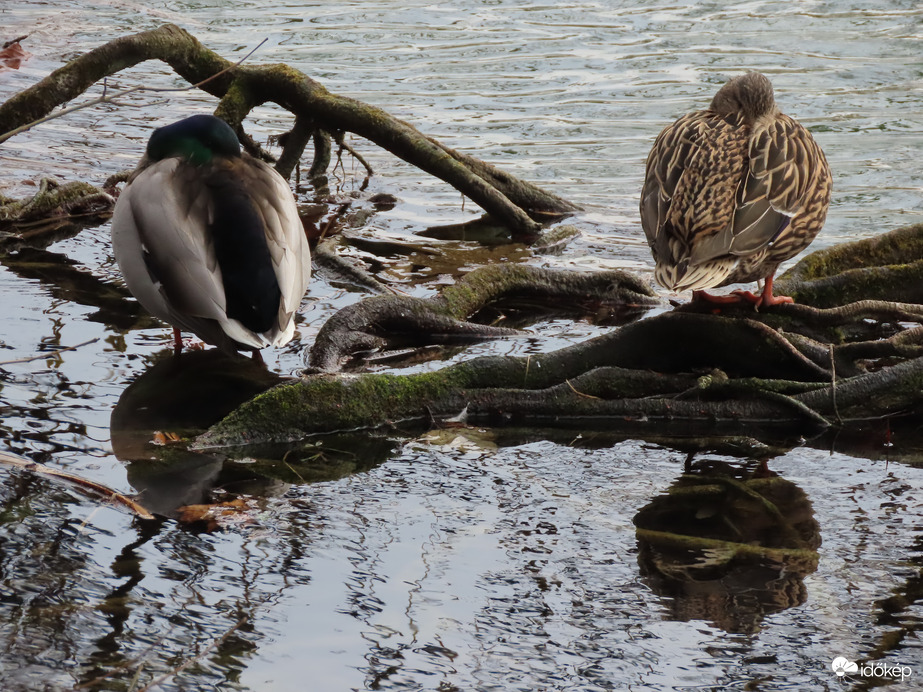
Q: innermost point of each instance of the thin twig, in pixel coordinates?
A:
(579, 393)
(356, 155)
(91, 487)
(111, 99)
(46, 354)
(176, 671)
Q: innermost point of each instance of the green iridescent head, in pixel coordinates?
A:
(197, 139)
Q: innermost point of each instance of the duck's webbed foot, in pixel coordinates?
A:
(758, 300)
(730, 299)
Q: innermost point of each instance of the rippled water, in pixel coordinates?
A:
(469, 560)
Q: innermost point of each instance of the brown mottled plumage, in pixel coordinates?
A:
(732, 191)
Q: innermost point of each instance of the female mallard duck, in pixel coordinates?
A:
(731, 192)
(209, 238)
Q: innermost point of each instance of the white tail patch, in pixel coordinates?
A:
(695, 278)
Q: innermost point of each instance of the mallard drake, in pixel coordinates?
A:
(209, 239)
(731, 192)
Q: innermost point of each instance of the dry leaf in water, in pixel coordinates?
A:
(12, 54)
(216, 516)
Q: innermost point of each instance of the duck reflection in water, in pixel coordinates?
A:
(728, 545)
(183, 395)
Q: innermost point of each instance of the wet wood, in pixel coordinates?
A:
(84, 485)
(390, 321)
(684, 372)
(844, 351)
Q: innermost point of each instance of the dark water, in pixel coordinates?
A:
(465, 559)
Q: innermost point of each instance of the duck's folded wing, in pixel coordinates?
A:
(784, 165)
(285, 236)
(690, 194)
(160, 241)
(666, 165)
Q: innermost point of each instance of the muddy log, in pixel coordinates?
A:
(318, 113)
(679, 373)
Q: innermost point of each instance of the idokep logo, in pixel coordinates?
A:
(842, 666)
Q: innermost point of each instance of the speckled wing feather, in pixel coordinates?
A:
(794, 177)
(716, 191)
(666, 164)
(690, 192)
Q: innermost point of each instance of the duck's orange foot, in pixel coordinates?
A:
(765, 298)
(189, 344)
(757, 300)
(730, 299)
(770, 299)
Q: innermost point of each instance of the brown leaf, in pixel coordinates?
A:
(216, 516)
(12, 55)
(164, 438)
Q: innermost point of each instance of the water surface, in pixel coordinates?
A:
(469, 559)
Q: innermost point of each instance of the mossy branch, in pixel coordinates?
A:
(241, 88)
(389, 321)
(684, 371)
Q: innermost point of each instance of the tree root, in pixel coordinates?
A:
(887, 267)
(873, 395)
(344, 269)
(397, 321)
(683, 372)
(599, 382)
(824, 335)
(53, 213)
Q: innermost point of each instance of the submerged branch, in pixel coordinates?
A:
(88, 487)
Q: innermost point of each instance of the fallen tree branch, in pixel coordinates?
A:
(540, 389)
(157, 682)
(106, 97)
(886, 267)
(241, 88)
(685, 372)
(53, 213)
(383, 322)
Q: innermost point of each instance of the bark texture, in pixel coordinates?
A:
(790, 369)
